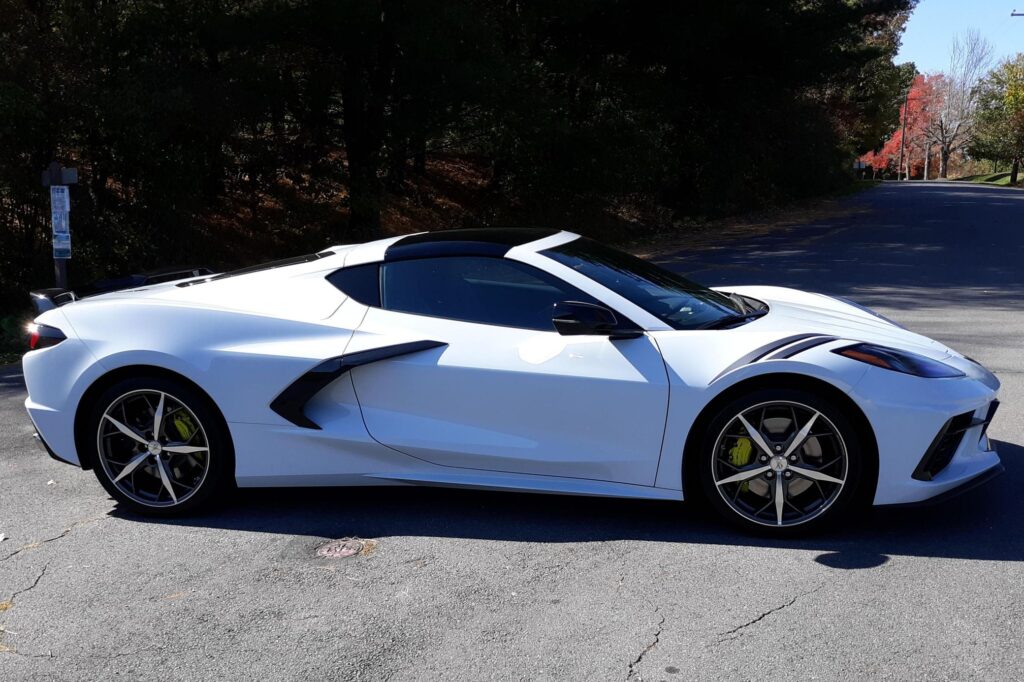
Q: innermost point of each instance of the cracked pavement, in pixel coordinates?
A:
(729, 635)
(473, 585)
(633, 672)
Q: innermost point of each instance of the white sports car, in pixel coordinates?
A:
(517, 359)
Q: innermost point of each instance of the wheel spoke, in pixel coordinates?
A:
(801, 435)
(158, 416)
(755, 435)
(743, 475)
(821, 491)
(162, 468)
(780, 500)
(815, 475)
(184, 449)
(132, 466)
(126, 430)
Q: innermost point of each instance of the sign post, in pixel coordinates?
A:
(57, 178)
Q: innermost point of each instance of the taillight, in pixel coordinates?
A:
(43, 336)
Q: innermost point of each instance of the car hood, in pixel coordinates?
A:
(795, 312)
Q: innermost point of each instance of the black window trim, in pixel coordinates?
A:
(623, 321)
(373, 264)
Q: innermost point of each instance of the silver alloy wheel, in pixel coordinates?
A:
(153, 448)
(779, 463)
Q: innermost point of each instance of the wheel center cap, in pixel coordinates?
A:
(154, 447)
(778, 464)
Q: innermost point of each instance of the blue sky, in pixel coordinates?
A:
(934, 23)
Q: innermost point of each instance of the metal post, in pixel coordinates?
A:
(903, 136)
(57, 178)
(60, 269)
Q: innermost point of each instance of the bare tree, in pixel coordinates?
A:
(952, 126)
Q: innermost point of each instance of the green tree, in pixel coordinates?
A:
(1000, 130)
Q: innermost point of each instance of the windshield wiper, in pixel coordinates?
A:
(738, 300)
(733, 320)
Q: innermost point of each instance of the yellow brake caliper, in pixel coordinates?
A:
(183, 423)
(740, 456)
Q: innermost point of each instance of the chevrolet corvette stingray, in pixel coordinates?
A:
(511, 359)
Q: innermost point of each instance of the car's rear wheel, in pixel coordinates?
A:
(781, 462)
(161, 446)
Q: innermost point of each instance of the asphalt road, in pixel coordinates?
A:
(469, 585)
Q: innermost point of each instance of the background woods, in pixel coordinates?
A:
(221, 132)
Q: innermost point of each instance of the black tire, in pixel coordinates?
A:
(217, 462)
(837, 499)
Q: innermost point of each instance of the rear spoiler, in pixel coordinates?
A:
(48, 299)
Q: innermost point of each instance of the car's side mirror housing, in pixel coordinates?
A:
(575, 318)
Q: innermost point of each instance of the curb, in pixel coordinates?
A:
(11, 373)
(968, 183)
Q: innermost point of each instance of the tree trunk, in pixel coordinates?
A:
(944, 163)
(419, 153)
(363, 142)
(364, 201)
(498, 173)
(927, 158)
(367, 85)
(1013, 172)
(397, 160)
(365, 92)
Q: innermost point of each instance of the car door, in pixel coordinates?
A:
(505, 392)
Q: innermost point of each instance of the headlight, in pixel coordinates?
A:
(899, 361)
(869, 311)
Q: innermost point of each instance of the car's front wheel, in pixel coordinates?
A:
(781, 461)
(161, 446)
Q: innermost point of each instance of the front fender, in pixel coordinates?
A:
(694, 386)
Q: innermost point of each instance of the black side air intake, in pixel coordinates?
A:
(291, 402)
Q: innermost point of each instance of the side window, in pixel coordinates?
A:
(476, 289)
(361, 282)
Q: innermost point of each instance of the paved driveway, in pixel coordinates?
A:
(467, 585)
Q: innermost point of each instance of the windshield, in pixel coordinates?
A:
(670, 297)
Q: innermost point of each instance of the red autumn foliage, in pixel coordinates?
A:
(923, 99)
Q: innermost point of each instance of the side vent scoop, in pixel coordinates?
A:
(291, 402)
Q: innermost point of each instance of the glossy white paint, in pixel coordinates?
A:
(496, 407)
(516, 400)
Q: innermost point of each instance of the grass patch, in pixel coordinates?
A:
(1000, 179)
(855, 187)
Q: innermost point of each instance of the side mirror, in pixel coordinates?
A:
(573, 318)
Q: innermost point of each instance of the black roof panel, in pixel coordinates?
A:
(493, 241)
